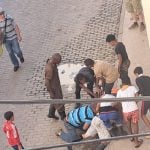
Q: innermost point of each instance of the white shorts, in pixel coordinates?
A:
(97, 127)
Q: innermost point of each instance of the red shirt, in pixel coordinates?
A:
(12, 133)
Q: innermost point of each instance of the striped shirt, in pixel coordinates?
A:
(10, 28)
(81, 115)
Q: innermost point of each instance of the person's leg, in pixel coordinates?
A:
(15, 147)
(17, 50)
(61, 111)
(127, 120)
(144, 108)
(10, 51)
(90, 87)
(108, 87)
(51, 113)
(114, 116)
(70, 135)
(77, 93)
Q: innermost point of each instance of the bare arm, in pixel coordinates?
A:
(85, 126)
(18, 32)
(119, 62)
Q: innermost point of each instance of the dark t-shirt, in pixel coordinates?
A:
(88, 73)
(143, 84)
(120, 49)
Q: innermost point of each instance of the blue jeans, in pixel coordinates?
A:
(71, 135)
(16, 147)
(107, 117)
(13, 49)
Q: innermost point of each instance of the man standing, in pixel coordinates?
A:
(52, 83)
(143, 83)
(134, 7)
(120, 50)
(11, 36)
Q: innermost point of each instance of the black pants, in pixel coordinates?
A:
(108, 87)
(78, 91)
(59, 107)
(123, 75)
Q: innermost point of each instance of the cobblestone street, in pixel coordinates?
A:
(76, 29)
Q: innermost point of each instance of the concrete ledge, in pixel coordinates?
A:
(146, 10)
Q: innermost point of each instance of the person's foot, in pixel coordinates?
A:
(142, 26)
(53, 117)
(16, 68)
(22, 60)
(140, 142)
(133, 26)
(58, 132)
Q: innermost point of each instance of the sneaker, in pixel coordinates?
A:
(142, 27)
(58, 132)
(22, 60)
(16, 68)
(133, 26)
(53, 117)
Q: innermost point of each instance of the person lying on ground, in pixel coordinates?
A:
(77, 121)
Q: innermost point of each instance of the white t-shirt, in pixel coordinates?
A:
(129, 92)
(103, 104)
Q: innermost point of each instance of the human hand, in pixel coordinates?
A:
(19, 38)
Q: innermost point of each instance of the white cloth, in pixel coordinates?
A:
(129, 92)
(97, 126)
(104, 104)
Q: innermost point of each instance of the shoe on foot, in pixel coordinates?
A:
(142, 26)
(133, 26)
(53, 117)
(16, 68)
(58, 132)
(22, 60)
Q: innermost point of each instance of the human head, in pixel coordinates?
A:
(56, 58)
(9, 115)
(111, 39)
(2, 12)
(80, 78)
(94, 107)
(126, 80)
(138, 71)
(89, 62)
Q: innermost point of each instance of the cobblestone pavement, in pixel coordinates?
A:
(76, 29)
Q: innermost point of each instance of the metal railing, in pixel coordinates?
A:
(84, 101)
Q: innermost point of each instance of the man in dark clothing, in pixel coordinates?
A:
(143, 83)
(122, 55)
(85, 75)
(52, 83)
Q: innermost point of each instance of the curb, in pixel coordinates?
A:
(122, 16)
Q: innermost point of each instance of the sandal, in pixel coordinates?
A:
(140, 142)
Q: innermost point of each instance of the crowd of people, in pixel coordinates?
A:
(97, 78)
(100, 118)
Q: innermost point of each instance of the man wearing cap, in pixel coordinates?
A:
(10, 36)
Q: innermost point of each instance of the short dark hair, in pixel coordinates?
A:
(138, 70)
(89, 62)
(8, 115)
(126, 80)
(110, 37)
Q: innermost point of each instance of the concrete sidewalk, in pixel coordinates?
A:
(136, 43)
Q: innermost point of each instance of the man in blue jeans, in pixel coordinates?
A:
(77, 121)
(11, 38)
